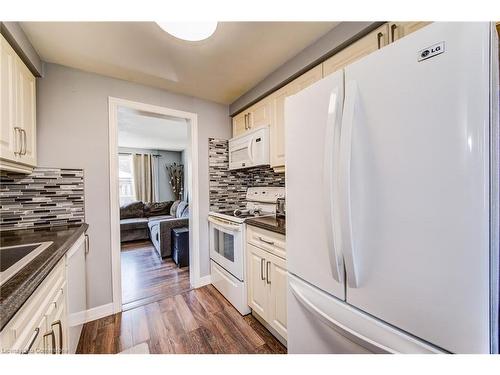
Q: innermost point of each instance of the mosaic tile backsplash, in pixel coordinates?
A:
(228, 188)
(44, 198)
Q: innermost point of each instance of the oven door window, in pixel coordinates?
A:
(224, 244)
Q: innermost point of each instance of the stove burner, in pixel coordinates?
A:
(241, 213)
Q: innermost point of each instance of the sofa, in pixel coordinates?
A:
(160, 229)
(154, 221)
(134, 218)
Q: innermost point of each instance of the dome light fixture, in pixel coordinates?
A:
(192, 31)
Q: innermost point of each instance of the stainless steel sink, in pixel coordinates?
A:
(13, 258)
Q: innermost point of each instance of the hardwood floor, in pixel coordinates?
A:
(197, 321)
(146, 277)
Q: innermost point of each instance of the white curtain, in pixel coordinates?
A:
(145, 178)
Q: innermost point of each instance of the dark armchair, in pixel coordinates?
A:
(161, 230)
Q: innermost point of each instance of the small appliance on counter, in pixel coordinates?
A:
(280, 207)
(227, 243)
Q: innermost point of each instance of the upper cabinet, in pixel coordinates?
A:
(377, 39)
(364, 46)
(397, 30)
(277, 131)
(257, 116)
(271, 110)
(17, 112)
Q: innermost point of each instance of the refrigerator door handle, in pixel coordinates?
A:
(327, 319)
(344, 182)
(329, 171)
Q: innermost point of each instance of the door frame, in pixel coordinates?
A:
(192, 182)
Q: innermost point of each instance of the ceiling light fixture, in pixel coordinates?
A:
(192, 31)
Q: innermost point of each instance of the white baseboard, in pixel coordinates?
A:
(202, 281)
(90, 314)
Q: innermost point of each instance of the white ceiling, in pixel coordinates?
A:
(146, 130)
(220, 68)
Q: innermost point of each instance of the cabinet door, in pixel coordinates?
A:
(259, 115)
(397, 30)
(366, 45)
(9, 137)
(76, 292)
(258, 292)
(277, 281)
(239, 124)
(277, 131)
(26, 111)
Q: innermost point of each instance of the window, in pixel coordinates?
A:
(126, 175)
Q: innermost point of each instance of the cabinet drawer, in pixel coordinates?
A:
(19, 330)
(56, 304)
(33, 341)
(267, 240)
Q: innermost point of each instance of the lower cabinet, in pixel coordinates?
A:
(277, 301)
(41, 325)
(258, 290)
(267, 285)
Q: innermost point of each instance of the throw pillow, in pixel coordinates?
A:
(132, 210)
(157, 208)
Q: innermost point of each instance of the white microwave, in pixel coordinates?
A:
(250, 149)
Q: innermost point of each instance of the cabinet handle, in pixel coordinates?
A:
(17, 135)
(267, 272)
(59, 323)
(32, 341)
(53, 339)
(24, 141)
(379, 38)
(87, 244)
(262, 269)
(249, 117)
(266, 241)
(246, 123)
(393, 31)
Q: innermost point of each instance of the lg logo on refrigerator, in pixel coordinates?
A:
(431, 51)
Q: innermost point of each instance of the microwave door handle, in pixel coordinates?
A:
(250, 150)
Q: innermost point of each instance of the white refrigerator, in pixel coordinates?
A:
(392, 199)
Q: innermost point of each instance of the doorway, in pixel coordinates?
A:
(153, 202)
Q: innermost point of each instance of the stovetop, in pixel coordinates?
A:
(230, 216)
(242, 214)
(260, 201)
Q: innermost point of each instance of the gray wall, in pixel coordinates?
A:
(339, 37)
(166, 159)
(72, 129)
(185, 162)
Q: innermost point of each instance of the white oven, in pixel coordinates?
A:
(227, 245)
(250, 149)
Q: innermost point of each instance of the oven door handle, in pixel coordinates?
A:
(223, 224)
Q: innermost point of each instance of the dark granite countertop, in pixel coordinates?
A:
(16, 291)
(272, 223)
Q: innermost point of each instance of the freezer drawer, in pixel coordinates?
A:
(320, 323)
